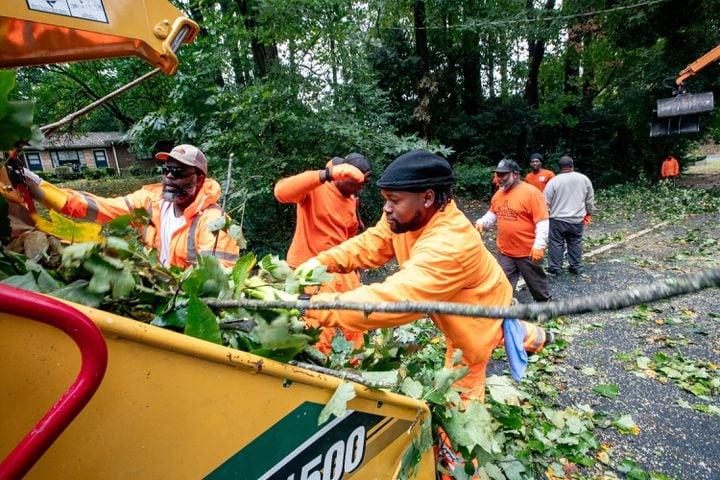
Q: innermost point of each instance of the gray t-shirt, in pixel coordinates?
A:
(570, 196)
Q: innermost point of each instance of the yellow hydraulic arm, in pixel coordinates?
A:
(38, 32)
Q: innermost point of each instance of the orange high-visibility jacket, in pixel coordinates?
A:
(445, 261)
(325, 218)
(670, 167)
(189, 241)
(539, 179)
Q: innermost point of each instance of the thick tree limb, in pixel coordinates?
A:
(667, 288)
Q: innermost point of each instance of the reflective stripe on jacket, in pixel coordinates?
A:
(192, 239)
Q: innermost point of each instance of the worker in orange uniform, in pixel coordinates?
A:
(181, 209)
(670, 169)
(441, 258)
(538, 176)
(522, 229)
(326, 216)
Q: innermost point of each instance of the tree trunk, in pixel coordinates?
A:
(422, 110)
(470, 61)
(265, 55)
(536, 52)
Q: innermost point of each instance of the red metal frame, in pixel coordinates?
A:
(93, 351)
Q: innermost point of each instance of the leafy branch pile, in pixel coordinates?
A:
(122, 276)
(520, 432)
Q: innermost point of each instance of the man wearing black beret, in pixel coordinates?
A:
(441, 258)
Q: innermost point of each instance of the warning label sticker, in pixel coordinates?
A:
(85, 9)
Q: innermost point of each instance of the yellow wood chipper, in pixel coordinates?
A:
(91, 395)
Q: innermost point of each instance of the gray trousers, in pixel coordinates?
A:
(532, 272)
(562, 233)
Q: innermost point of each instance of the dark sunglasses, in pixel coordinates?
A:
(177, 172)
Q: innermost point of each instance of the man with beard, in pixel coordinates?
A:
(538, 176)
(522, 223)
(441, 258)
(180, 209)
(326, 216)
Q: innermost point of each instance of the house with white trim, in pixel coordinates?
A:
(92, 150)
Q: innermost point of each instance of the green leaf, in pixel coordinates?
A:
(240, 272)
(337, 405)
(26, 282)
(78, 292)
(412, 388)
(278, 269)
(77, 251)
(206, 278)
(503, 391)
(201, 322)
(276, 335)
(472, 427)
(609, 391)
(625, 424)
(235, 232)
(174, 318)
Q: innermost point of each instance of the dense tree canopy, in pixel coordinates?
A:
(285, 84)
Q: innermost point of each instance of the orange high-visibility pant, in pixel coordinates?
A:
(474, 382)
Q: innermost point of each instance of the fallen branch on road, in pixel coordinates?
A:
(662, 289)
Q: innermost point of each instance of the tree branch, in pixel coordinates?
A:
(667, 288)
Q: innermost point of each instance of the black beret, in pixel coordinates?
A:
(536, 155)
(416, 171)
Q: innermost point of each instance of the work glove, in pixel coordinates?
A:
(48, 194)
(479, 227)
(345, 171)
(305, 269)
(537, 254)
(587, 219)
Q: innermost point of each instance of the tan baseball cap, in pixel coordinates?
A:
(186, 154)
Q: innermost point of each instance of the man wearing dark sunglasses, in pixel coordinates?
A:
(180, 208)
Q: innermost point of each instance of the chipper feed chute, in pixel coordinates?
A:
(176, 407)
(38, 32)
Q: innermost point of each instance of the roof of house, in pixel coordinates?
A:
(82, 140)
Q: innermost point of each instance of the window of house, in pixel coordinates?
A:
(32, 160)
(70, 158)
(100, 158)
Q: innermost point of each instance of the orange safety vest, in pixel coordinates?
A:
(189, 241)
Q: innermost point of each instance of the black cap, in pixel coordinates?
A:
(506, 165)
(356, 160)
(536, 155)
(416, 171)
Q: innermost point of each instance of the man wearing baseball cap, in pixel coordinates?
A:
(326, 205)
(522, 223)
(442, 259)
(180, 208)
